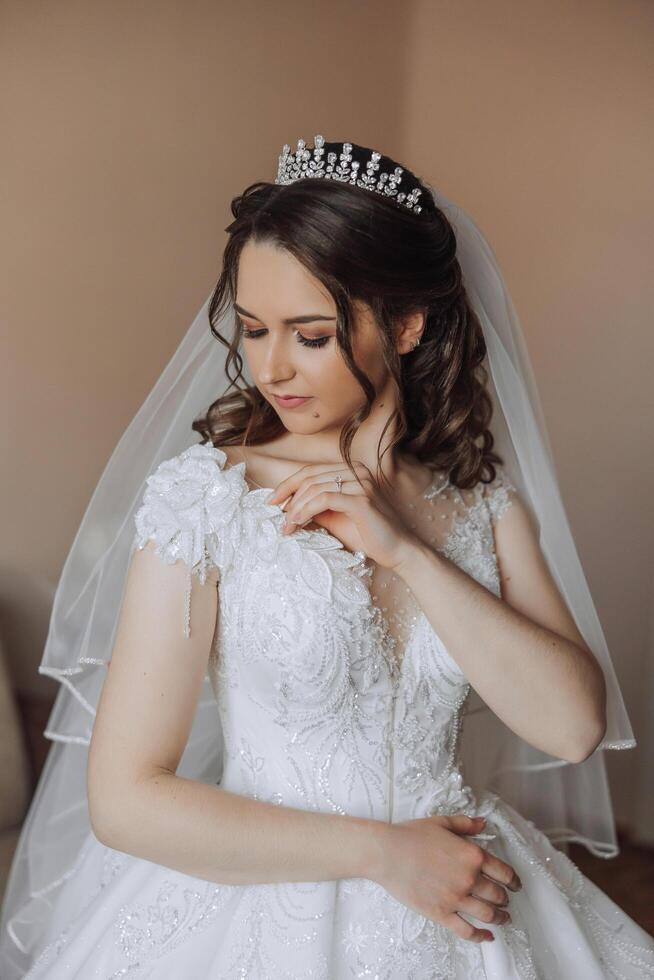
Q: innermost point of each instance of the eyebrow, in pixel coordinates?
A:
(307, 318)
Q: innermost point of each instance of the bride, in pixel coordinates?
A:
(271, 642)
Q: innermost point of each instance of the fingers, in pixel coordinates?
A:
(345, 503)
(493, 867)
(462, 824)
(490, 891)
(465, 930)
(484, 911)
(298, 505)
(303, 493)
(291, 484)
(501, 872)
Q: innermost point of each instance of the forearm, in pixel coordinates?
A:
(544, 687)
(211, 833)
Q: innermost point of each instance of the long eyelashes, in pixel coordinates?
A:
(301, 339)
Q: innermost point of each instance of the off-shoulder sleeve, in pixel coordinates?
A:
(499, 494)
(190, 508)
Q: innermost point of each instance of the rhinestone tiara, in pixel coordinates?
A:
(298, 165)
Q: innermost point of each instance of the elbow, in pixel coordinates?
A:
(97, 813)
(584, 745)
(101, 831)
(590, 738)
(106, 808)
(116, 810)
(102, 822)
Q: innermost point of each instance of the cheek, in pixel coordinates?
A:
(329, 377)
(323, 373)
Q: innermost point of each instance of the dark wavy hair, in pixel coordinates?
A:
(368, 247)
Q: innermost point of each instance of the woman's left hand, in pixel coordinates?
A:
(359, 516)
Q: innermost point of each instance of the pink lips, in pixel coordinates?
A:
(291, 402)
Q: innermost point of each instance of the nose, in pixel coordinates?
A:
(275, 363)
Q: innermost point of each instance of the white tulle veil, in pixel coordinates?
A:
(568, 802)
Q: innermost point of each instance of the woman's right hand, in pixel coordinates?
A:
(429, 866)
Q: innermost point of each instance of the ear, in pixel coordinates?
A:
(409, 329)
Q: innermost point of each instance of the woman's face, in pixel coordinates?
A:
(301, 358)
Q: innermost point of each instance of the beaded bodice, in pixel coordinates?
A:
(334, 691)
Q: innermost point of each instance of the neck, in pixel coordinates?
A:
(405, 475)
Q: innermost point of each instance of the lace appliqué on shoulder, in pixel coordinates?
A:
(191, 509)
(499, 494)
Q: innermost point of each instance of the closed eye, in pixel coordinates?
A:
(301, 339)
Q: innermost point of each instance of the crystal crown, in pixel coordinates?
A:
(304, 163)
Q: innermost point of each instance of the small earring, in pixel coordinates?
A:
(415, 343)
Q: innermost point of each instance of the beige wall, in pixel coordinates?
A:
(127, 127)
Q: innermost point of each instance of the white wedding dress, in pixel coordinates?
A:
(335, 694)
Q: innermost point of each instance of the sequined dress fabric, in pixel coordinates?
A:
(334, 694)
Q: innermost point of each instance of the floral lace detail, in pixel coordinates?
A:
(144, 932)
(325, 700)
(499, 494)
(193, 509)
(202, 513)
(471, 543)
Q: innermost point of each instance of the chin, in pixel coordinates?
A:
(308, 425)
(303, 426)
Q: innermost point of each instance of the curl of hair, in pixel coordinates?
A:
(368, 248)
